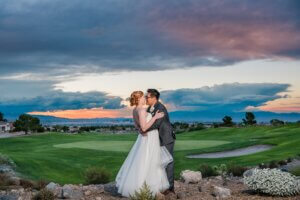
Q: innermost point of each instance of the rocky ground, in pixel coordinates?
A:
(191, 187)
(206, 189)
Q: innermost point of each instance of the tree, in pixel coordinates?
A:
(2, 117)
(227, 121)
(28, 123)
(276, 122)
(65, 129)
(250, 119)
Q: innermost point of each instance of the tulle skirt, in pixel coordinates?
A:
(145, 162)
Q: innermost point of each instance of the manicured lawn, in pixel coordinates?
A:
(63, 158)
(125, 146)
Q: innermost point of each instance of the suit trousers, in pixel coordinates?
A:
(170, 166)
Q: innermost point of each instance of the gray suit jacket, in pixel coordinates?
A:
(165, 129)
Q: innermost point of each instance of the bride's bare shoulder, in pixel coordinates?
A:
(141, 110)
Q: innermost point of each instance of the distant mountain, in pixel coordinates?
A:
(49, 120)
(184, 116)
(209, 116)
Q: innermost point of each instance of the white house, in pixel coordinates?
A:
(5, 127)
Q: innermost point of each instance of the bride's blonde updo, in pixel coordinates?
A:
(135, 97)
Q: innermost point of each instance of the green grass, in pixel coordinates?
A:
(63, 158)
(125, 146)
(296, 171)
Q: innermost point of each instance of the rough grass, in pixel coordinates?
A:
(63, 158)
(296, 171)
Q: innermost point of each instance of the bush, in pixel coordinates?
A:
(5, 180)
(207, 170)
(40, 184)
(4, 160)
(44, 194)
(262, 166)
(236, 170)
(272, 182)
(97, 175)
(282, 162)
(144, 193)
(273, 164)
(220, 169)
(26, 183)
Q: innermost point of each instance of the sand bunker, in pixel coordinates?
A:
(233, 153)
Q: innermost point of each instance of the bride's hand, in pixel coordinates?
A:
(159, 115)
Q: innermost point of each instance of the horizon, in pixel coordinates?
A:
(81, 60)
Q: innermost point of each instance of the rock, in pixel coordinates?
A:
(99, 188)
(87, 193)
(189, 176)
(160, 196)
(181, 195)
(219, 178)
(6, 169)
(199, 188)
(221, 192)
(8, 197)
(111, 188)
(248, 173)
(98, 198)
(55, 188)
(15, 180)
(72, 192)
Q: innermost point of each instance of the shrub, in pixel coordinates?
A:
(4, 160)
(289, 159)
(220, 169)
(40, 184)
(44, 194)
(26, 183)
(282, 162)
(5, 180)
(236, 170)
(144, 193)
(272, 182)
(262, 166)
(207, 170)
(273, 164)
(97, 175)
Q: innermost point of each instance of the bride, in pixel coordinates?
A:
(146, 160)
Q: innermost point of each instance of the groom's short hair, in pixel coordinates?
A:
(154, 93)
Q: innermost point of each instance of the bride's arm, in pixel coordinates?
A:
(142, 118)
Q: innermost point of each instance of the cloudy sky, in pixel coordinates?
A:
(82, 59)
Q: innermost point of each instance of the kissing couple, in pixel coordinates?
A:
(150, 159)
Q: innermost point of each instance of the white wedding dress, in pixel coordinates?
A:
(146, 161)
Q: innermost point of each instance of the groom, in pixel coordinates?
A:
(166, 133)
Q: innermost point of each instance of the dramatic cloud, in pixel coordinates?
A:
(60, 37)
(234, 97)
(50, 100)
(221, 99)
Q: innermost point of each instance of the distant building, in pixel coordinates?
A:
(5, 127)
(74, 129)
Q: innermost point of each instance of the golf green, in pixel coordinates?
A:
(124, 146)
